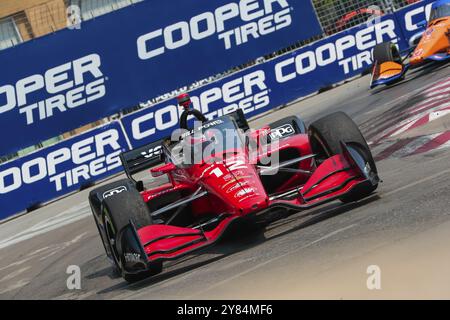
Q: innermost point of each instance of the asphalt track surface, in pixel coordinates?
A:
(404, 229)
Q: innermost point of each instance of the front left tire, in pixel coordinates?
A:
(115, 212)
(325, 137)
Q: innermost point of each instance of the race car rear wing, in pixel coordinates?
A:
(143, 158)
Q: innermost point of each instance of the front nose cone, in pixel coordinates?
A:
(253, 204)
(417, 58)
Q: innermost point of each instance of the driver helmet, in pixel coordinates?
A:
(184, 100)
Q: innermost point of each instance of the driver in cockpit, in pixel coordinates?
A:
(184, 100)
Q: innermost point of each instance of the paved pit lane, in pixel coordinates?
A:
(327, 252)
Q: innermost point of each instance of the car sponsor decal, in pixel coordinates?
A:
(114, 191)
(244, 192)
(132, 257)
(237, 186)
(237, 179)
(281, 132)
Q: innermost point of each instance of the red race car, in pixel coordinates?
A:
(292, 168)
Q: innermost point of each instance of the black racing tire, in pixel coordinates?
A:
(96, 195)
(104, 241)
(117, 210)
(386, 52)
(325, 137)
(125, 206)
(95, 201)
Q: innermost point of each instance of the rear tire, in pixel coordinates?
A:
(117, 210)
(325, 136)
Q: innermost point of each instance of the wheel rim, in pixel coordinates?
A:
(102, 236)
(111, 237)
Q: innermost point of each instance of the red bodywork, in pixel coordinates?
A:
(235, 190)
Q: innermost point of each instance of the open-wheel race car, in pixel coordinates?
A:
(141, 228)
(433, 45)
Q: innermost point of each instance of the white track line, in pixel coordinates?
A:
(17, 285)
(409, 122)
(413, 146)
(437, 84)
(66, 217)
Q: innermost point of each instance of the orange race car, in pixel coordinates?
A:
(434, 45)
